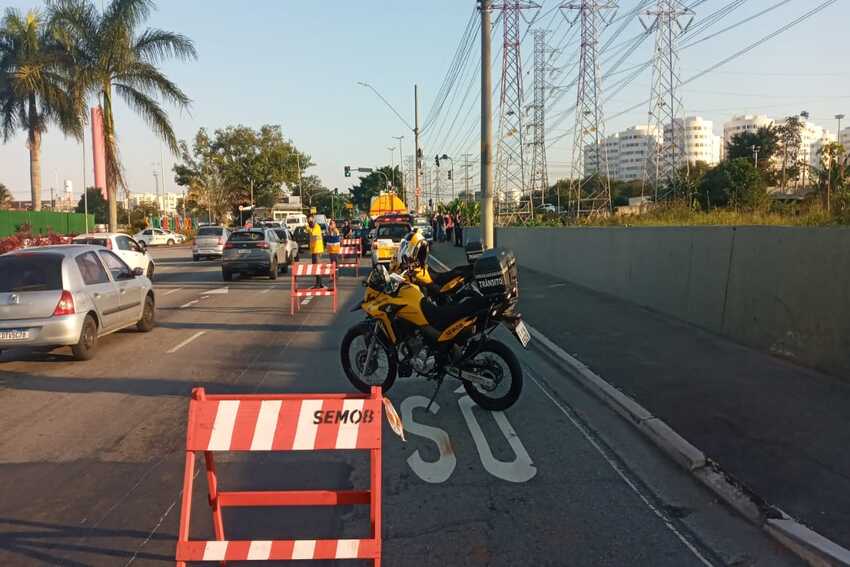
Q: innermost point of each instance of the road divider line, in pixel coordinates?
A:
(186, 342)
(170, 291)
(189, 303)
(268, 289)
(306, 301)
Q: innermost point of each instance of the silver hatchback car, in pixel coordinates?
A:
(70, 296)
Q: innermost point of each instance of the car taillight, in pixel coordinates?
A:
(229, 245)
(262, 244)
(65, 305)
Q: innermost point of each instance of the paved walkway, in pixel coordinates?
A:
(781, 429)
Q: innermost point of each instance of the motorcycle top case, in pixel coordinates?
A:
(496, 273)
(473, 249)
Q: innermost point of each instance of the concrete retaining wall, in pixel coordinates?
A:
(781, 289)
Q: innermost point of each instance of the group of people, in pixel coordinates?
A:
(448, 227)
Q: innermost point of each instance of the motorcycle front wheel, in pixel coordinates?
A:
(382, 366)
(498, 363)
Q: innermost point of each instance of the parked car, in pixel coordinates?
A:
(388, 234)
(209, 242)
(133, 253)
(158, 236)
(302, 237)
(253, 251)
(289, 244)
(178, 237)
(70, 295)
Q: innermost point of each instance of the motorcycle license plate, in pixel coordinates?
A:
(522, 334)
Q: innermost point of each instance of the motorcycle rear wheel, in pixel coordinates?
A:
(381, 370)
(498, 362)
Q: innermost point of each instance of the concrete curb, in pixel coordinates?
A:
(809, 545)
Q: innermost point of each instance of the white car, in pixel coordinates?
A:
(133, 253)
(158, 236)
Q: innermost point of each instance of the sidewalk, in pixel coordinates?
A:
(781, 429)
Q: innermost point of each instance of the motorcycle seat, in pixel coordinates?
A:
(441, 278)
(442, 316)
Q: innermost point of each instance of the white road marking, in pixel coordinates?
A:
(186, 342)
(620, 472)
(170, 291)
(189, 303)
(521, 468)
(557, 285)
(440, 470)
(306, 300)
(268, 289)
(218, 291)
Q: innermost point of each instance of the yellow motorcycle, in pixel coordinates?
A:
(405, 332)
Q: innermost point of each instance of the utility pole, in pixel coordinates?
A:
(666, 109)
(401, 167)
(486, 130)
(592, 187)
(417, 151)
(756, 156)
(466, 176)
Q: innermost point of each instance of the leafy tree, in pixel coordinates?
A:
(114, 57)
(790, 139)
(35, 89)
(621, 191)
(5, 198)
(140, 214)
(736, 183)
(766, 139)
(832, 174)
(372, 184)
(332, 204)
(201, 173)
(309, 188)
(97, 205)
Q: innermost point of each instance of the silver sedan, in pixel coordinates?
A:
(70, 295)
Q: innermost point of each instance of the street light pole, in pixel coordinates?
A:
(451, 173)
(401, 163)
(392, 162)
(486, 130)
(756, 155)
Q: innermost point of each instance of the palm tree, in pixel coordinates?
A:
(5, 198)
(34, 87)
(114, 58)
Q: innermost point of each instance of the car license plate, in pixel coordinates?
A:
(14, 335)
(522, 333)
(241, 252)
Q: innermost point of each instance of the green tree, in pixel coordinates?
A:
(97, 205)
(832, 175)
(790, 139)
(736, 183)
(371, 185)
(114, 57)
(766, 139)
(35, 89)
(5, 198)
(200, 171)
(141, 213)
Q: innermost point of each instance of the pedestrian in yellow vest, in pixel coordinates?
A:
(317, 244)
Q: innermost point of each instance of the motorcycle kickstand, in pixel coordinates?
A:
(434, 397)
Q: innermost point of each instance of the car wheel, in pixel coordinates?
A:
(170, 242)
(195, 257)
(226, 275)
(150, 271)
(148, 320)
(87, 345)
(273, 270)
(285, 268)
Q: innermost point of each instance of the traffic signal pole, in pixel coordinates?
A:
(486, 130)
(416, 158)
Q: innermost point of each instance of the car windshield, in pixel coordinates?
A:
(246, 236)
(210, 231)
(393, 231)
(30, 272)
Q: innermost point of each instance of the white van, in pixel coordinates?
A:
(294, 220)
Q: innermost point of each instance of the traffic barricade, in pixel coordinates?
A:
(285, 422)
(349, 256)
(303, 270)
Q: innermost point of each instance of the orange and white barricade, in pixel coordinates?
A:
(263, 422)
(302, 270)
(349, 255)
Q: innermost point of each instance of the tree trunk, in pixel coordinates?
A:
(34, 145)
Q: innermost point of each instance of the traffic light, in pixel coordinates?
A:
(450, 175)
(437, 160)
(348, 171)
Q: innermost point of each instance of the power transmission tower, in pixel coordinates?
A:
(510, 154)
(669, 19)
(590, 186)
(539, 171)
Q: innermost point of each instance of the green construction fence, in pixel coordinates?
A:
(42, 222)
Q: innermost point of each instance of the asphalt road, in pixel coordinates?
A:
(91, 453)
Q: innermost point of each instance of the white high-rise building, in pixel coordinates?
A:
(608, 148)
(700, 144)
(636, 152)
(167, 201)
(743, 123)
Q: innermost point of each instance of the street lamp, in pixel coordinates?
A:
(392, 161)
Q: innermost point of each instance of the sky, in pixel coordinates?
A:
(297, 64)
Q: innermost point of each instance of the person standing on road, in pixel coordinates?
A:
(441, 234)
(317, 244)
(334, 242)
(458, 229)
(450, 227)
